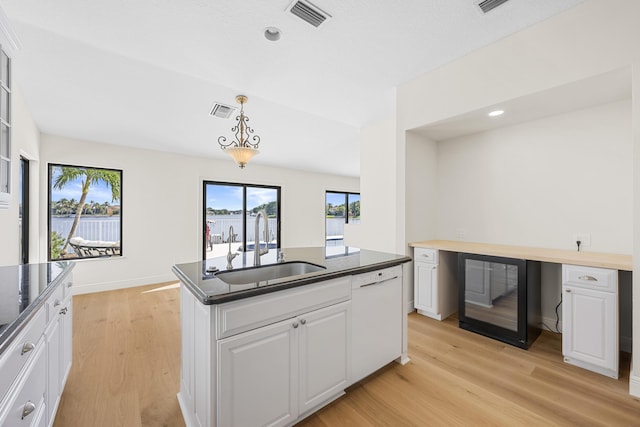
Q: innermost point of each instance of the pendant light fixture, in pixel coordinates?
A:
(240, 149)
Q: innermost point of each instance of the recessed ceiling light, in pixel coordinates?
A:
(496, 113)
(272, 33)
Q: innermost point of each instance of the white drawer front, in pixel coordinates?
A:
(67, 284)
(28, 399)
(602, 279)
(21, 350)
(54, 303)
(250, 313)
(425, 255)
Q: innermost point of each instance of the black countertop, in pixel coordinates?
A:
(338, 261)
(23, 289)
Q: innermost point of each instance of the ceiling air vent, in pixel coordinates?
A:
(222, 111)
(308, 12)
(487, 5)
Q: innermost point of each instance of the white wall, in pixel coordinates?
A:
(377, 187)
(25, 142)
(422, 175)
(539, 182)
(162, 207)
(592, 38)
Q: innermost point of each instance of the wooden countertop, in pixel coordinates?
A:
(560, 256)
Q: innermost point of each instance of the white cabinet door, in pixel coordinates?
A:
(258, 374)
(66, 341)
(53, 335)
(590, 322)
(185, 396)
(324, 354)
(426, 287)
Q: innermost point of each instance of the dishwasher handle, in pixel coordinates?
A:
(378, 282)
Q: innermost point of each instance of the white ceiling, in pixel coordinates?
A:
(590, 92)
(145, 73)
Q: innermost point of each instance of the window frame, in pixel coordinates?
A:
(50, 168)
(346, 205)
(244, 209)
(5, 197)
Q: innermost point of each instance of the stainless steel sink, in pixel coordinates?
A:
(268, 272)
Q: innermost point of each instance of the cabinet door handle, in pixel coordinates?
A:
(295, 325)
(70, 284)
(568, 290)
(56, 303)
(27, 347)
(303, 321)
(433, 268)
(28, 408)
(588, 278)
(64, 310)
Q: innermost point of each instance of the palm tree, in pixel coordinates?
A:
(88, 176)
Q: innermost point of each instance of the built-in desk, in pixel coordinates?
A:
(590, 322)
(559, 256)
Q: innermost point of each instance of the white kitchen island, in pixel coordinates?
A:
(273, 352)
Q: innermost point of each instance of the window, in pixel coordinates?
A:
(23, 210)
(85, 212)
(5, 129)
(232, 205)
(340, 209)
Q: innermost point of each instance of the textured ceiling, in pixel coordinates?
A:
(145, 73)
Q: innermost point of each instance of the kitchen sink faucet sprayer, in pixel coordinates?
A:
(230, 256)
(257, 252)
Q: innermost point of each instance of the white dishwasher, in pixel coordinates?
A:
(376, 316)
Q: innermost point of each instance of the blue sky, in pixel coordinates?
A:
(230, 197)
(99, 193)
(337, 199)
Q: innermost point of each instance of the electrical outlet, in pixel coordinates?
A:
(460, 233)
(585, 239)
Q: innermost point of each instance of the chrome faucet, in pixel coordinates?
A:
(257, 252)
(230, 256)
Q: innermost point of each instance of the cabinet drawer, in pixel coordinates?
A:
(54, 302)
(602, 279)
(26, 403)
(425, 255)
(21, 351)
(246, 314)
(66, 284)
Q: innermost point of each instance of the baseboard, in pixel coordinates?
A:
(634, 385)
(410, 307)
(122, 284)
(549, 323)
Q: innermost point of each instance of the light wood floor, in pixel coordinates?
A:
(126, 373)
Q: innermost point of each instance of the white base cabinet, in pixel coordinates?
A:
(590, 319)
(35, 366)
(273, 359)
(435, 284)
(266, 360)
(283, 370)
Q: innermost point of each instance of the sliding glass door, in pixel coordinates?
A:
(230, 213)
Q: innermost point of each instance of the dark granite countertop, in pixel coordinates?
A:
(338, 260)
(23, 289)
